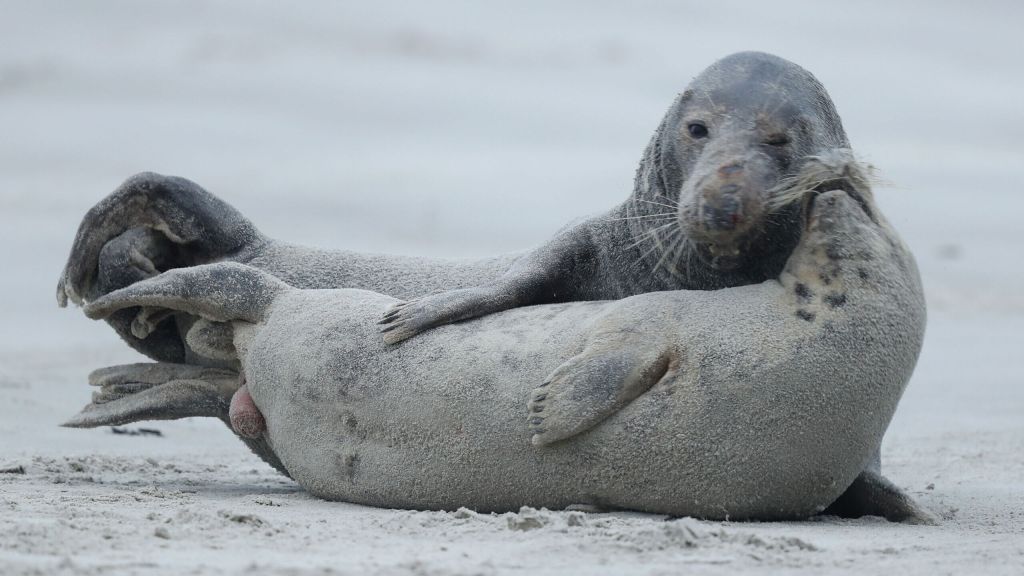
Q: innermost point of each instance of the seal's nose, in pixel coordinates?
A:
(723, 211)
(730, 169)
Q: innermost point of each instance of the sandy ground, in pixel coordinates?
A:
(460, 129)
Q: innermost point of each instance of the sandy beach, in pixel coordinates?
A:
(463, 129)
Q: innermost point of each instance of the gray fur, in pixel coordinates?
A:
(762, 401)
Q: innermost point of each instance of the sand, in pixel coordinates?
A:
(463, 129)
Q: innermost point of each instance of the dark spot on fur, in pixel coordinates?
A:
(835, 300)
(825, 279)
(805, 315)
(835, 252)
(803, 291)
(863, 273)
(349, 463)
(832, 270)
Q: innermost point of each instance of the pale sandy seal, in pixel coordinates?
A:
(761, 401)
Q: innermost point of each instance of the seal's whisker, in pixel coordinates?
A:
(674, 238)
(838, 164)
(640, 239)
(655, 246)
(657, 203)
(669, 199)
(645, 216)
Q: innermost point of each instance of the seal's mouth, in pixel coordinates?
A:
(724, 257)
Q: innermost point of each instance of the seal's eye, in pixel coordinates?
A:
(697, 129)
(777, 140)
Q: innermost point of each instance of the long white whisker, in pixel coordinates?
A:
(659, 215)
(649, 234)
(675, 238)
(656, 203)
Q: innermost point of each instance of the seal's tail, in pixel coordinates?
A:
(220, 292)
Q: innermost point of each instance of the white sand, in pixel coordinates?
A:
(464, 130)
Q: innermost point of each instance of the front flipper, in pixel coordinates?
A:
(407, 319)
(160, 391)
(555, 272)
(588, 388)
(871, 494)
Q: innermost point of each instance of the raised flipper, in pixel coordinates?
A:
(160, 391)
(220, 292)
(871, 494)
(200, 226)
(609, 374)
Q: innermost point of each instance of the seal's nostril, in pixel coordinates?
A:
(730, 169)
(723, 214)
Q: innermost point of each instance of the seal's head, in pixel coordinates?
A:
(738, 131)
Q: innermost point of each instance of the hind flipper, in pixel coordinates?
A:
(156, 391)
(220, 292)
(201, 226)
(871, 494)
(172, 400)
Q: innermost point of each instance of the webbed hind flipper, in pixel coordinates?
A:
(160, 391)
(872, 494)
(593, 385)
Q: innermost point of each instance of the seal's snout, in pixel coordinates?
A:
(728, 201)
(722, 210)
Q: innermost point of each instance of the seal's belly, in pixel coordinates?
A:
(439, 421)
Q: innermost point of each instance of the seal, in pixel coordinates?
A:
(756, 402)
(702, 214)
(732, 234)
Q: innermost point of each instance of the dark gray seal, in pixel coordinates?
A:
(702, 214)
(756, 402)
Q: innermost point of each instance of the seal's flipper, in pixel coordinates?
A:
(168, 401)
(152, 374)
(871, 494)
(407, 319)
(548, 274)
(201, 225)
(134, 256)
(220, 292)
(590, 387)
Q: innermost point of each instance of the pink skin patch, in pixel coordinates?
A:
(245, 417)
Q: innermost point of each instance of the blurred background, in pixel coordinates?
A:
(467, 128)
